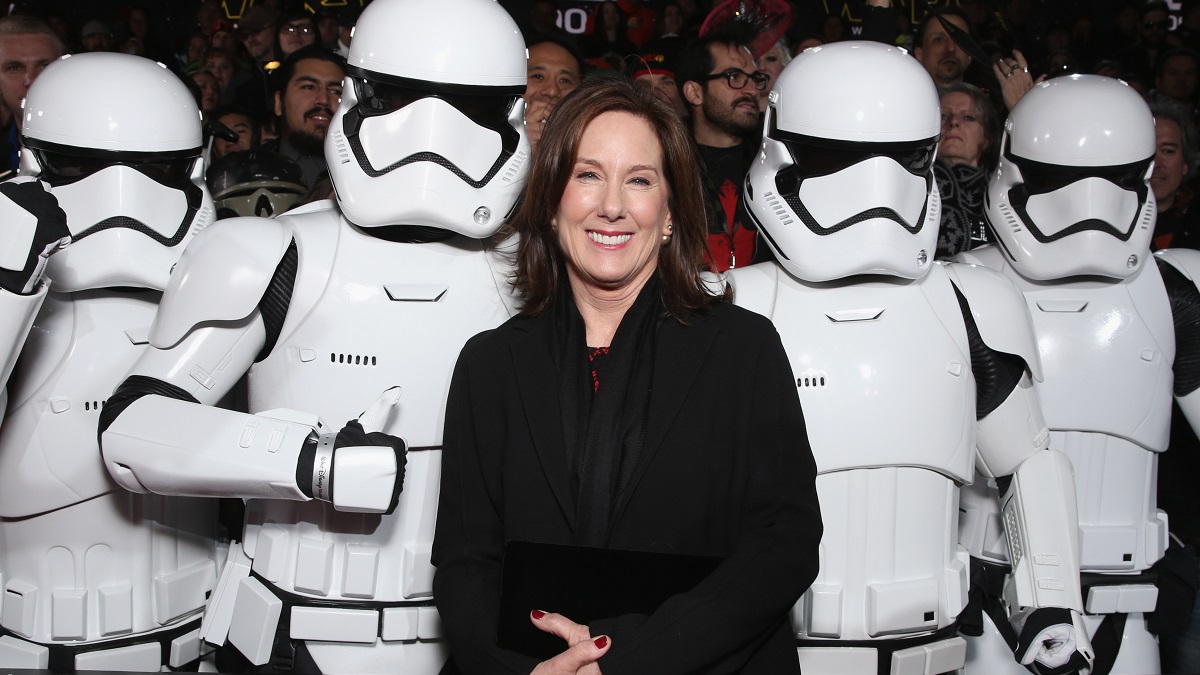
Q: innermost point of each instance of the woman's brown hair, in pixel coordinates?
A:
(540, 263)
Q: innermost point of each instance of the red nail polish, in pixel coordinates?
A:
(537, 614)
(601, 642)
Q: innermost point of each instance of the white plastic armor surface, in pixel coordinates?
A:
(888, 484)
(1041, 526)
(81, 559)
(365, 315)
(17, 313)
(1106, 349)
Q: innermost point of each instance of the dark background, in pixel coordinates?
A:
(172, 20)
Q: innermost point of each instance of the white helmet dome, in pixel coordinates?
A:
(467, 42)
(844, 183)
(1071, 195)
(118, 139)
(431, 127)
(110, 101)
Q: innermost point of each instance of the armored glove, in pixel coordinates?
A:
(32, 226)
(1053, 641)
(359, 469)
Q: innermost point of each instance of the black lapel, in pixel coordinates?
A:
(537, 380)
(677, 360)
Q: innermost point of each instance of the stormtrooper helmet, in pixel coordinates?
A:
(1072, 195)
(431, 126)
(255, 183)
(843, 183)
(118, 139)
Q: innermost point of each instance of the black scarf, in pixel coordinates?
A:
(603, 433)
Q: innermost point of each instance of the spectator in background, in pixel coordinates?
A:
(294, 30)
(310, 88)
(1153, 24)
(554, 69)
(720, 86)
(639, 21)
(940, 55)
(251, 88)
(346, 20)
(607, 44)
(656, 71)
(240, 122)
(96, 36)
(192, 55)
(207, 14)
(772, 63)
(1176, 75)
(327, 28)
(968, 150)
(27, 46)
(224, 36)
(543, 22)
(221, 64)
(1174, 157)
(210, 92)
(139, 39)
(833, 28)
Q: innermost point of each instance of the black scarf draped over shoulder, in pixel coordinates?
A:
(603, 432)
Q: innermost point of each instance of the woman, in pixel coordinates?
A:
(608, 42)
(772, 63)
(626, 408)
(967, 151)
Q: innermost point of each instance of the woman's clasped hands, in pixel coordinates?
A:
(582, 653)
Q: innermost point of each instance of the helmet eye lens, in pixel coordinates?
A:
(60, 168)
(821, 157)
(1040, 178)
(380, 98)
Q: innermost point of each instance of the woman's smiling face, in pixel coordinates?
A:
(614, 213)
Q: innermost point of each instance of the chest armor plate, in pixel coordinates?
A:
(378, 315)
(83, 560)
(79, 349)
(881, 368)
(1107, 351)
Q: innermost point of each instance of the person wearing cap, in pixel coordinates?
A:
(251, 88)
(656, 70)
(96, 36)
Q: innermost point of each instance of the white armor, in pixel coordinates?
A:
(95, 577)
(380, 296)
(878, 333)
(1107, 340)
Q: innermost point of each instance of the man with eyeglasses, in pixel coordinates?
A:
(719, 83)
(1155, 23)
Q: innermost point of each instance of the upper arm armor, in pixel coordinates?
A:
(223, 275)
(999, 312)
(1179, 269)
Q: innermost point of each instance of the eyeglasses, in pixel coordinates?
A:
(738, 78)
(293, 28)
(1161, 24)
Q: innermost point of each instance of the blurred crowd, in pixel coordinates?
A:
(269, 80)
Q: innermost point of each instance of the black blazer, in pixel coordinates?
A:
(725, 470)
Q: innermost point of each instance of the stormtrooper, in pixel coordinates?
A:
(1116, 328)
(912, 374)
(255, 183)
(94, 577)
(348, 319)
